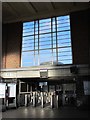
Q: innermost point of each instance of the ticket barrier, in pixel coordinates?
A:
(49, 99)
(42, 99)
(56, 101)
(53, 100)
(34, 99)
(31, 99)
(26, 100)
(37, 99)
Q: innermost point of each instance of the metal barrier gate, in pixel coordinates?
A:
(42, 99)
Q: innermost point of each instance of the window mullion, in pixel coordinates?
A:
(34, 42)
(56, 41)
(52, 37)
(38, 45)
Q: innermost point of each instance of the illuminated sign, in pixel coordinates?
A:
(2, 90)
(12, 89)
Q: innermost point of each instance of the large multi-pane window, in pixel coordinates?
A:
(46, 40)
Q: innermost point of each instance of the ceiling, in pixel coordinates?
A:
(26, 11)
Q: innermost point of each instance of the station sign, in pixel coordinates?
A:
(43, 73)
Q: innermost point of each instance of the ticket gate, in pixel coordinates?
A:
(51, 100)
(34, 99)
(43, 99)
(26, 100)
(47, 100)
(31, 99)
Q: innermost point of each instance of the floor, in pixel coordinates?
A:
(47, 112)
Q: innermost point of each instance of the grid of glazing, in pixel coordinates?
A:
(46, 40)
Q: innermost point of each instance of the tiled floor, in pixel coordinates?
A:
(38, 112)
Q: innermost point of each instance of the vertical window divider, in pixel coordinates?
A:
(71, 40)
(38, 45)
(52, 38)
(34, 41)
(56, 41)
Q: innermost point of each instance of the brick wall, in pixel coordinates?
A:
(4, 38)
(12, 35)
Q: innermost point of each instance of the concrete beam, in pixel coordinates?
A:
(57, 71)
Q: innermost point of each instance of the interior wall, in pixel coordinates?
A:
(12, 36)
(80, 36)
(4, 40)
(12, 39)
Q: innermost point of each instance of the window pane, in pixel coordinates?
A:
(45, 37)
(63, 18)
(63, 44)
(36, 27)
(45, 58)
(27, 58)
(62, 35)
(45, 26)
(28, 28)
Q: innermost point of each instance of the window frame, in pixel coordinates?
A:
(52, 41)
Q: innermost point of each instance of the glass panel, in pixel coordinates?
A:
(65, 53)
(28, 28)
(45, 37)
(28, 47)
(59, 28)
(67, 61)
(63, 44)
(45, 41)
(36, 27)
(62, 41)
(26, 56)
(64, 49)
(44, 21)
(54, 44)
(45, 58)
(36, 45)
(45, 52)
(64, 33)
(53, 26)
(36, 59)
(45, 26)
(28, 40)
(63, 23)
(54, 55)
(45, 46)
(63, 18)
